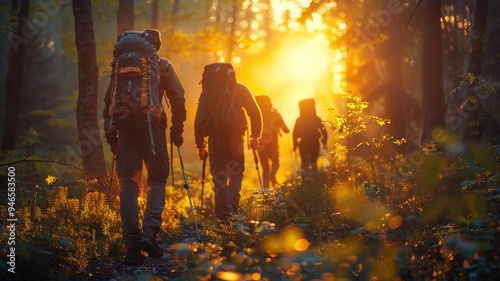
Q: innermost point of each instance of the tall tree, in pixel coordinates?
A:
(86, 108)
(433, 105)
(125, 16)
(474, 130)
(392, 53)
(478, 37)
(154, 14)
(15, 72)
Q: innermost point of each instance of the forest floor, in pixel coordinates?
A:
(164, 268)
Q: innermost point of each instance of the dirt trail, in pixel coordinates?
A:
(163, 268)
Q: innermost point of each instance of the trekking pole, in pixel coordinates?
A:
(293, 156)
(203, 183)
(186, 186)
(113, 164)
(172, 161)
(256, 160)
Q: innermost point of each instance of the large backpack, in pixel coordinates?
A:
(307, 108)
(264, 103)
(220, 109)
(308, 125)
(135, 90)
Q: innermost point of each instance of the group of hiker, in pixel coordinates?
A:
(135, 126)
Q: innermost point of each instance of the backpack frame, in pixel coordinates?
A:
(135, 82)
(220, 104)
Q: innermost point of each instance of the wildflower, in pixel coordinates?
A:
(50, 179)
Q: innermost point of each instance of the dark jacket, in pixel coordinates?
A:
(309, 130)
(248, 104)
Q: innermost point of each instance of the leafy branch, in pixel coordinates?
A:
(355, 122)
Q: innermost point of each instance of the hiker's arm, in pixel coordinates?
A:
(198, 126)
(324, 134)
(295, 134)
(110, 133)
(252, 110)
(282, 124)
(175, 94)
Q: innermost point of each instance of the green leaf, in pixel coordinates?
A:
(432, 171)
(476, 205)
(484, 158)
(434, 209)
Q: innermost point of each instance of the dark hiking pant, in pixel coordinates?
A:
(270, 163)
(134, 150)
(227, 164)
(309, 153)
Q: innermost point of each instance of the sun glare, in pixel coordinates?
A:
(304, 60)
(288, 11)
(301, 66)
(297, 69)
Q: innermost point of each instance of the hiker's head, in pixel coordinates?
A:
(307, 107)
(155, 33)
(264, 102)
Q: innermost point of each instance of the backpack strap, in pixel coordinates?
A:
(145, 82)
(114, 64)
(150, 128)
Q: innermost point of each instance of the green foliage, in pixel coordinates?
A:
(63, 224)
(66, 233)
(481, 96)
(422, 215)
(9, 22)
(354, 122)
(32, 139)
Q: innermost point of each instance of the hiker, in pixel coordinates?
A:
(273, 125)
(137, 135)
(221, 123)
(308, 132)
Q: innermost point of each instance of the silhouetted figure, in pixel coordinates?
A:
(308, 133)
(136, 133)
(221, 123)
(273, 125)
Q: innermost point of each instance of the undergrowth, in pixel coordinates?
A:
(424, 215)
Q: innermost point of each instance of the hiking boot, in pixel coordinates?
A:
(134, 257)
(274, 182)
(150, 245)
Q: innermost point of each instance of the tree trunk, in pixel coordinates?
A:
(154, 14)
(125, 16)
(477, 40)
(14, 80)
(86, 108)
(475, 128)
(393, 54)
(433, 105)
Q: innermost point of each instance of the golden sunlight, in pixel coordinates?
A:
(288, 12)
(229, 275)
(303, 65)
(297, 69)
(305, 60)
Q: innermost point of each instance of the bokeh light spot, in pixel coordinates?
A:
(301, 245)
(395, 222)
